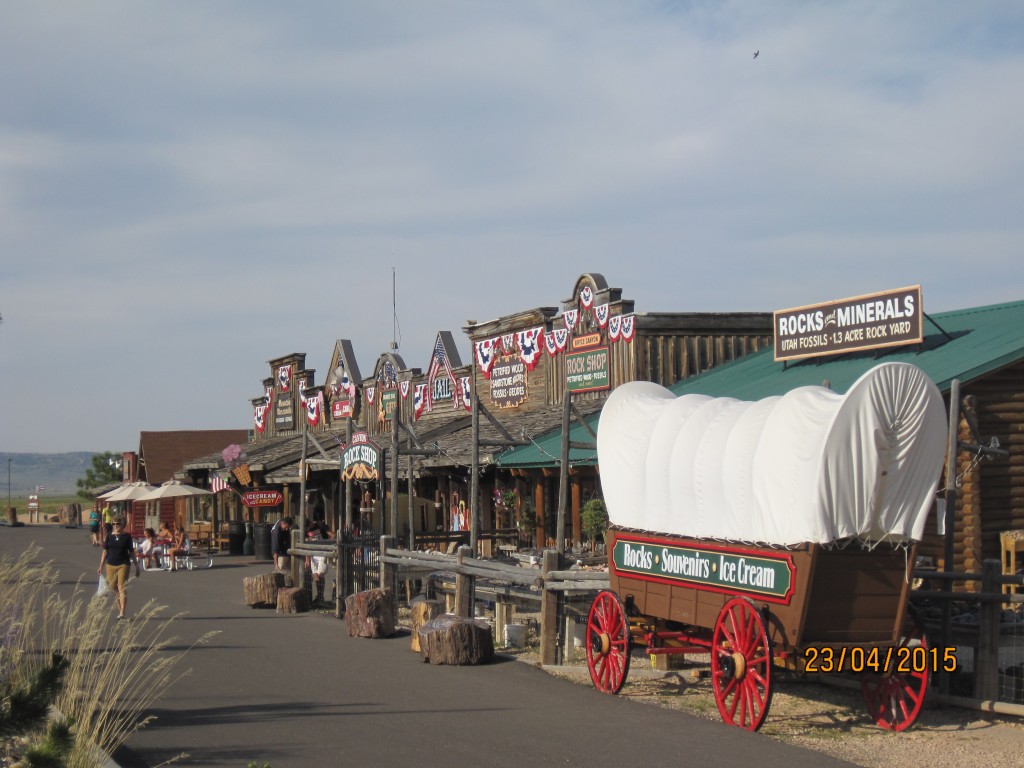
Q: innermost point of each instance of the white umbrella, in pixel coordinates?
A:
(111, 492)
(130, 491)
(172, 488)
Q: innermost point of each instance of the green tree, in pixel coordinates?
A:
(594, 519)
(101, 473)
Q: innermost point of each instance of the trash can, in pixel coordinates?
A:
(236, 536)
(261, 538)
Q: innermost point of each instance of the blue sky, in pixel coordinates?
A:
(189, 189)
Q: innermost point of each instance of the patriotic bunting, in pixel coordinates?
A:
(628, 327)
(314, 409)
(485, 356)
(370, 393)
(586, 297)
(614, 327)
(284, 377)
(570, 316)
(268, 394)
(259, 417)
(508, 342)
(419, 400)
(403, 387)
(530, 347)
(601, 315)
(466, 387)
(555, 340)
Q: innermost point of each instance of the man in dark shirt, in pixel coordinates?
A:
(118, 554)
(280, 542)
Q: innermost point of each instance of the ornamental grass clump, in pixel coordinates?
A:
(111, 671)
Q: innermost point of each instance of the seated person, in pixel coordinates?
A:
(165, 534)
(149, 551)
(179, 546)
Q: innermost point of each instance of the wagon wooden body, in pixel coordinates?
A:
(757, 608)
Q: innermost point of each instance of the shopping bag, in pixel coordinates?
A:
(103, 587)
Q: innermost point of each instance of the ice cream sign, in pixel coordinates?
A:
(716, 569)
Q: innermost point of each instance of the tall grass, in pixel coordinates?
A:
(117, 669)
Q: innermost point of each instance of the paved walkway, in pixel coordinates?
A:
(297, 691)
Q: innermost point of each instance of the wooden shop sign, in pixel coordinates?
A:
(588, 370)
(361, 459)
(886, 319)
(262, 498)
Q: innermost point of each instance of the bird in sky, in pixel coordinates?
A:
(757, 52)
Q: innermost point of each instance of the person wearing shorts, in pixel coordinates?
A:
(118, 555)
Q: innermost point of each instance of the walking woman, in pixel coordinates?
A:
(118, 555)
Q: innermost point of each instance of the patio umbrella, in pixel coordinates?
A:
(130, 491)
(172, 488)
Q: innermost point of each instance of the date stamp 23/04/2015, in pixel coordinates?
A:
(899, 659)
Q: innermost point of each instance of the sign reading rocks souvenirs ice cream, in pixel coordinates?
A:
(877, 320)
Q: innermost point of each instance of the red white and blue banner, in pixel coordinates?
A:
(371, 392)
(570, 317)
(555, 340)
(628, 327)
(587, 296)
(259, 417)
(419, 400)
(601, 315)
(530, 347)
(614, 328)
(218, 483)
(314, 408)
(466, 387)
(284, 377)
(485, 356)
(403, 387)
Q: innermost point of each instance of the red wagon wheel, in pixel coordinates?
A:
(741, 664)
(894, 699)
(607, 642)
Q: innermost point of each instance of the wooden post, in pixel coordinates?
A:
(986, 663)
(503, 613)
(465, 587)
(538, 500)
(952, 445)
(549, 611)
(300, 573)
(388, 573)
(563, 478)
(577, 522)
(412, 521)
(348, 481)
(394, 473)
(474, 472)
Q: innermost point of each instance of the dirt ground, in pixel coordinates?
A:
(831, 719)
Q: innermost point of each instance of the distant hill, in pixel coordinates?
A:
(57, 472)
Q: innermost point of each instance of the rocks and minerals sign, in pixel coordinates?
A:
(884, 319)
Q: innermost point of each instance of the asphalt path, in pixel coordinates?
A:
(298, 691)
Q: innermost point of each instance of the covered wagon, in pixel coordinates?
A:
(779, 532)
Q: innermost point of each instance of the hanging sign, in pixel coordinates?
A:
(361, 459)
(588, 370)
(341, 409)
(886, 319)
(262, 498)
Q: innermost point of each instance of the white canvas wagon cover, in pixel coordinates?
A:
(808, 466)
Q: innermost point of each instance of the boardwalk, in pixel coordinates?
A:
(297, 691)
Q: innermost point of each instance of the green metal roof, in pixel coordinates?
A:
(980, 341)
